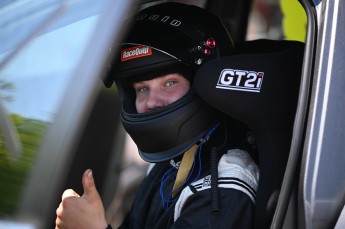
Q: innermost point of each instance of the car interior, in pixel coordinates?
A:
(270, 122)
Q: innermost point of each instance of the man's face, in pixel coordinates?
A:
(160, 91)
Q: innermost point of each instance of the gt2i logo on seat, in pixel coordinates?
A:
(240, 80)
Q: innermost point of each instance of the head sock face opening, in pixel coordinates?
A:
(127, 91)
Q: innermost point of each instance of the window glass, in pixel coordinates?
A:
(41, 43)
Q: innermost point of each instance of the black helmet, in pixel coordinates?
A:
(168, 38)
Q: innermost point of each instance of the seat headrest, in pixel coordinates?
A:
(258, 85)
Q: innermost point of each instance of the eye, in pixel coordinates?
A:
(142, 89)
(170, 83)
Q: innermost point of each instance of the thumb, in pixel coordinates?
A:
(90, 191)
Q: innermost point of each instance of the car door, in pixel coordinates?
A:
(52, 58)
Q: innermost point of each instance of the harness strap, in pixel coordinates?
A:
(184, 169)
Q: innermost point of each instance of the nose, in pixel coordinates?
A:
(155, 100)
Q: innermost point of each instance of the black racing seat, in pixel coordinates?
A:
(258, 86)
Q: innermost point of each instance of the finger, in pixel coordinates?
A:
(90, 191)
(58, 224)
(69, 193)
(59, 211)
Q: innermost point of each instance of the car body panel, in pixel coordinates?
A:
(322, 178)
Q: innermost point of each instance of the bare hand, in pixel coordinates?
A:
(83, 212)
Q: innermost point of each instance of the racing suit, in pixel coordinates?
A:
(193, 208)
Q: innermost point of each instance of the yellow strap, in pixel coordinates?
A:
(184, 169)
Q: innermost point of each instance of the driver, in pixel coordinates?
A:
(202, 174)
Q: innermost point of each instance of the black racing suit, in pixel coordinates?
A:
(237, 184)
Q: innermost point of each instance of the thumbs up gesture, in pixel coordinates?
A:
(81, 212)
